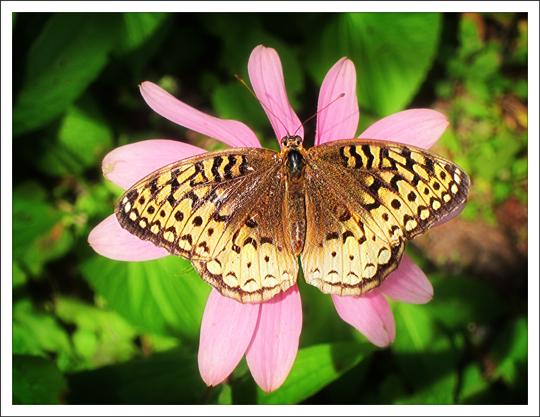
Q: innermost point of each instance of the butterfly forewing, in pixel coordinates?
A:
(392, 181)
(193, 207)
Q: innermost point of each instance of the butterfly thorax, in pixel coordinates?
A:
(293, 170)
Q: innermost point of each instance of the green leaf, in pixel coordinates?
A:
(469, 36)
(239, 32)
(473, 384)
(31, 219)
(39, 234)
(392, 53)
(66, 57)
(225, 396)
(392, 389)
(314, 368)
(19, 277)
(100, 338)
(321, 322)
(140, 40)
(137, 28)
(459, 302)
(520, 168)
(425, 354)
(438, 392)
(232, 102)
(36, 381)
(36, 333)
(83, 139)
(485, 65)
(510, 350)
(164, 296)
(170, 377)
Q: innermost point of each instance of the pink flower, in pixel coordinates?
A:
(268, 333)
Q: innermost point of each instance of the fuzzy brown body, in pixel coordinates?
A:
(242, 216)
(294, 165)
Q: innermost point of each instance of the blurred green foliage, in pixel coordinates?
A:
(89, 330)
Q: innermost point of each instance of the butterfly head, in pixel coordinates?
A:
(294, 141)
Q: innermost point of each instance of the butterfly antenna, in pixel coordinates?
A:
(324, 108)
(264, 105)
(277, 118)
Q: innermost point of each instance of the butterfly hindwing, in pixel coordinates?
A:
(342, 254)
(258, 261)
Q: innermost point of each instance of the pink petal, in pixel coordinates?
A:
(370, 314)
(418, 127)
(231, 132)
(128, 164)
(226, 330)
(408, 284)
(109, 239)
(273, 349)
(340, 119)
(266, 75)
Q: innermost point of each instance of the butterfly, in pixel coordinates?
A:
(243, 216)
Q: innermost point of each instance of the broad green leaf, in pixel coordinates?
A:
(66, 57)
(160, 343)
(238, 32)
(472, 383)
(36, 381)
(82, 141)
(46, 248)
(38, 234)
(392, 53)
(392, 389)
(459, 302)
(440, 391)
(234, 101)
(141, 37)
(321, 322)
(425, 354)
(510, 351)
(314, 368)
(38, 333)
(31, 219)
(164, 296)
(225, 396)
(19, 276)
(100, 338)
(137, 28)
(469, 36)
(170, 377)
(520, 168)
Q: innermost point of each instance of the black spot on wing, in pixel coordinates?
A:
(333, 235)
